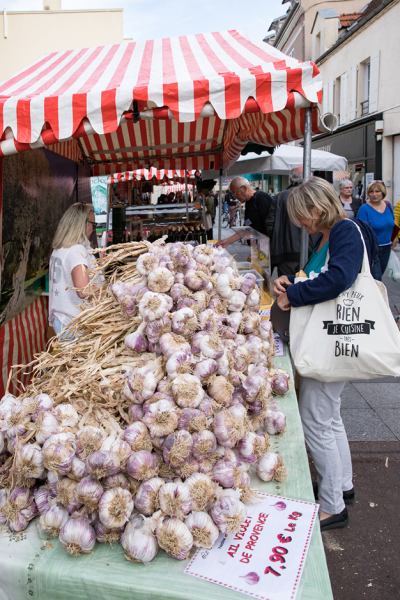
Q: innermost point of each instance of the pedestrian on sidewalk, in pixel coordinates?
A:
(351, 203)
(210, 214)
(316, 206)
(284, 235)
(257, 206)
(379, 214)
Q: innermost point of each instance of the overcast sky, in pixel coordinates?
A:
(150, 19)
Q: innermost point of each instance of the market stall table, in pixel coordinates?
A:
(33, 564)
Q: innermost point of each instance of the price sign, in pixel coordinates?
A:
(279, 347)
(265, 559)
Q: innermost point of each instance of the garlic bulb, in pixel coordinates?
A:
(42, 403)
(146, 263)
(156, 329)
(184, 322)
(205, 368)
(181, 253)
(58, 457)
(17, 509)
(280, 382)
(77, 536)
(88, 440)
(274, 422)
(205, 533)
(125, 298)
(224, 473)
(220, 390)
(270, 466)
(141, 385)
(137, 436)
(100, 464)
(218, 305)
(123, 450)
(251, 387)
(196, 280)
(179, 292)
(28, 461)
(88, 492)
(115, 507)
(16, 422)
(137, 341)
(161, 418)
(208, 406)
(153, 306)
(265, 330)
(228, 513)
(250, 322)
(236, 301)
(171, 343)
(204, 444)
(195, 343)
(174, 538)
(253, 299)
(146, 499)
(143, 465)
(223, 364)
(252, 446)
(229, 426)
(223, 286)
(187, 391)
(202, 491)
(113, 481)
(43, 496)
(66, 415)
(139, 541)
(178, 363)
(135, 413)
(54, 519)
(177, 447)
(160, 280)
(188, 467)
(104, 535)
(175, 499)
(192, 419)
(203, 254)
(248, 283)
(211, 347)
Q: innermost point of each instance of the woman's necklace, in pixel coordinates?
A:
(380, 208)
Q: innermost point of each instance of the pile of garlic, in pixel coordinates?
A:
(177, 474)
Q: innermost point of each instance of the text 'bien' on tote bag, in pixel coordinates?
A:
(351, 337)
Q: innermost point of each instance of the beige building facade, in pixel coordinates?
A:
(27, 36)
(361, 87)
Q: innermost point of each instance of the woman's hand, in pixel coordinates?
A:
(249, 258)
(222, 243)
(394, 243)
(280, 285)
(283, 302)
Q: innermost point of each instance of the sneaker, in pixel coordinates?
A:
(335, 521)
(348, 496)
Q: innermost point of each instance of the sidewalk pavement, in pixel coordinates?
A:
(370, 409)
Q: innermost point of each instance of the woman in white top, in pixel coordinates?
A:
(69, 264)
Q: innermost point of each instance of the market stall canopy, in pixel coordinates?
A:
(188, 102)
(156, 175)
(284, 159)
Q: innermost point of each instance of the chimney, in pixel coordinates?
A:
(51, 4)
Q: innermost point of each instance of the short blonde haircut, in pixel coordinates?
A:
(319, 194)
(71, 229)
(377, 185)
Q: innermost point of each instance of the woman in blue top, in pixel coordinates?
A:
(379, 214)
(315, 205)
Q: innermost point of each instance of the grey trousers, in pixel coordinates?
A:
(326, 437)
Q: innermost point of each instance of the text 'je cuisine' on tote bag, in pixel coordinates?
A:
(351, 337)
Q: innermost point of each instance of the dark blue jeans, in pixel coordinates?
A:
(378, 268)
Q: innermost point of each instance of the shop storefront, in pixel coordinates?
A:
(359, 143)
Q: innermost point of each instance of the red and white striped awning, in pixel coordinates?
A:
(156, 175)
(176, 187)
(189, 102)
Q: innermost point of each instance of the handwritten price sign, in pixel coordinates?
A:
(265, 558)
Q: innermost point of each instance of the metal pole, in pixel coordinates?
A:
(204, 210)
(186, 196)
(262, 182)
(220, 205)
(109, 186)
(306, 177)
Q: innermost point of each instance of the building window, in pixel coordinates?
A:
(291, 53)
(367, 87)
(317, 45)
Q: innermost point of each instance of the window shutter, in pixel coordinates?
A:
(343, 99)
(325, 99)
(353, 94)
(374, 82)
(330, 97)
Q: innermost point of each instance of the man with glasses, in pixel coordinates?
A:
(257, 206)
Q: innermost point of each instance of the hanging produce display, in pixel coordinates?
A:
(142, 426)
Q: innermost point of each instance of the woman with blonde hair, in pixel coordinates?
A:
(333, 268)
(379, 214)
(69, 264)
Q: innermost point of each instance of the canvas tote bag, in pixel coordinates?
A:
(351, 337)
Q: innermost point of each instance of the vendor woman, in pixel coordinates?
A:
(69, 265)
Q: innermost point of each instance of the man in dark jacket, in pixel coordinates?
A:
(284, 235)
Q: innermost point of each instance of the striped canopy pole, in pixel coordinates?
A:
(186, 197)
